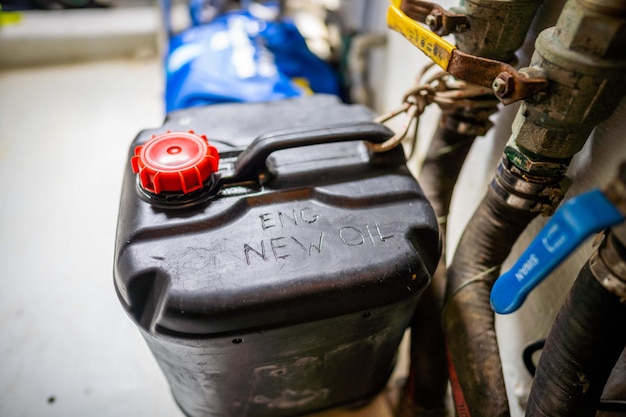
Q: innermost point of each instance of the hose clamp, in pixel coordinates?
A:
(527, 192)
(609, 268)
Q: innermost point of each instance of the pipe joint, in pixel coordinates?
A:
(524, 191)
(489, 40)
(533, 165)
(582, 57)
(580, 19)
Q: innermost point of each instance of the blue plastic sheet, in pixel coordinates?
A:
(238, 57)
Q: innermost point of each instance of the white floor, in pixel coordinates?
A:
(66, 347)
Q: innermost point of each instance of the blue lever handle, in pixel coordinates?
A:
(570, 225)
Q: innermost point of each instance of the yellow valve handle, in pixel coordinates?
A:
(436, 48)
(509, 85)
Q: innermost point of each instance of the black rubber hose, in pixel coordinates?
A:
(442, 165)
(528, 353)
(426, 387)
(469, 322)
(614, 395)
(582, 348)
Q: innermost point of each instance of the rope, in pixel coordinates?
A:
(441, 88)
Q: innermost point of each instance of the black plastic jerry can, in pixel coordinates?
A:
(275, 276)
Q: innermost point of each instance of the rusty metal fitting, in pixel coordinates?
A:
(440, 20)
(503, 85)
(528, 192)
(434, 20)
(586, 71)
(519, 183)
(594, 27)
(608, 265)
(507, 83)
(528, 163)
(497, 28)
(554, 195)
(510, 86)
(535, 73)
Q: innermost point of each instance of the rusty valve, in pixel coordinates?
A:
(440, 20)
(508, 84)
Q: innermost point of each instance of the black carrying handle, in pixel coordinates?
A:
(252, 161)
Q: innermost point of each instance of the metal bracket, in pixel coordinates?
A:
(440, 20)
(508, 84)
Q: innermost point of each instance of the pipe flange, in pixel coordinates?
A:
(606, 278)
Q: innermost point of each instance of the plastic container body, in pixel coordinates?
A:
(283, 295)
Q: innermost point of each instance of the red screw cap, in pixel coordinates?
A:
(174, 162)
